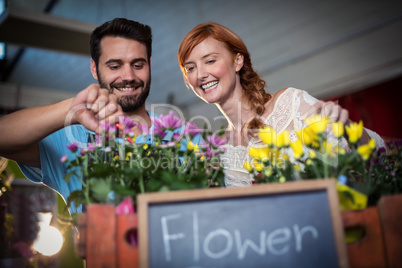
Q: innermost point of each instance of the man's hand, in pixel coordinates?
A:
(93, 106)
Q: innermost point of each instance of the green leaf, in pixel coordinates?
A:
(100, 188)
(77, 198)
(67, 177)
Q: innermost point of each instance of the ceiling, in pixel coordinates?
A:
(326, 47)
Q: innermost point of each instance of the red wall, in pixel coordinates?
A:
(379, 106)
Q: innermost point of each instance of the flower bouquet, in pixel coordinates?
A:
(169, 156)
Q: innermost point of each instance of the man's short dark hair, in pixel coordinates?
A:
(120, 27)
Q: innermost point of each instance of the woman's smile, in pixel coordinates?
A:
(209, 86)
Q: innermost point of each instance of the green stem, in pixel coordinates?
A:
(316, 171)
(347, 161)
(326, 166)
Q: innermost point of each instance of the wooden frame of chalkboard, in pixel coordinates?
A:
(251, 225)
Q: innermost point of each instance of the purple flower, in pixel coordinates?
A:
(128, 131)
(381, 151)
(208, 152)
(144, 129)
(398, 144)
(176, 136)
(89, 148)
(73, 147)
(105, 126)
(390, 144)
(99, 140)
(126, 121)
(169, 121)
(215, 140)
(160, 132)
(191, 130)
(112, 128)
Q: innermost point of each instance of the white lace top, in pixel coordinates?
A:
(288, 114)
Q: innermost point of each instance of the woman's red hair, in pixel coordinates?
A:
(253, 86)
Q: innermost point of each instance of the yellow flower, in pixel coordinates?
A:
(337, 128)
(190, 146)
(258, 165)
(196, 148)
(283, 139)
(308, 137)
(309, 162)
(339, 150)
(128, 155)
(297, 167)
(327, 148)
(261, 153)
(371, 144)
(267, 135)
(297, 148)
(354, 132)
(317, 123)
(248, 166)
(145, 146)
(312, 154)
(365, 151)
(282, 179)
(268, 171)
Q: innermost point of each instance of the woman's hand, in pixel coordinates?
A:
(331, 110)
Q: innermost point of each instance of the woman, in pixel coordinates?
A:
(216, 65)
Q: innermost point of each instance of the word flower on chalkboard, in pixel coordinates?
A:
(169, 156)
(321, 151)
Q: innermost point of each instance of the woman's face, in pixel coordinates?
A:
(211, 71)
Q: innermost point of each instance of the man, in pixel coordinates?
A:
(36, 138)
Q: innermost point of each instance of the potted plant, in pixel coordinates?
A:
(365, 177)
(115, 167)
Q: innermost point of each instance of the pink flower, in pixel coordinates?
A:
(125, 207)
(215, 140)
(126, 121)
(191, 130)
(176, 136)
(159, 132)
(169, 121)
(99, 140)
(105, 126)
(144, 129)
(64, 159)
(73, 147)
(87, 149)
(112, 129)
(208, 152)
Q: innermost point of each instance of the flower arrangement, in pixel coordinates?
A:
(118, 164)
(321, 151)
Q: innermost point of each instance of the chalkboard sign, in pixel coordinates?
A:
(293, 224)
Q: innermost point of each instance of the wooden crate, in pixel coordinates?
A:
(102, 236)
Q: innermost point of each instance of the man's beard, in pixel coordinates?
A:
(132, 102)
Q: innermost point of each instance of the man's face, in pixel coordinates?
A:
(124, 70)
